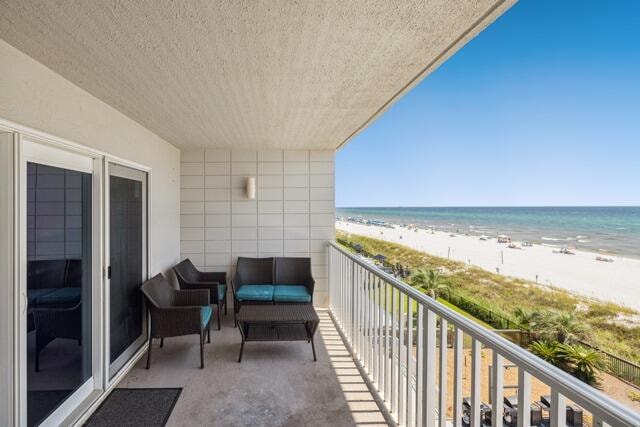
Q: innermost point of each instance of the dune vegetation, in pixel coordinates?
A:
(608, 326)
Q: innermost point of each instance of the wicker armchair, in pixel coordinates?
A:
(189, 277)
(176, 313)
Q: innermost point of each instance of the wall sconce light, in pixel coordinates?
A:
(251, 187)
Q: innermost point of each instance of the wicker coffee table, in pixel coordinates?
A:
(287, 322)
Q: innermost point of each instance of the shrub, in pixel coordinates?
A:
(563, 327)
(579, 361)
(583, 362)
(549, 351)
(432, 282)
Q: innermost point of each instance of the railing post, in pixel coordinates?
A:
(458, 345)
(330, 250)
(558, 412)
(339, 291)
(524, 398)
(442, 409)
(401, 377)
(409, 395)
(429, 369)
(476, 365)
(367, 323)
(361, 318)
(352, 302)
(375, 315)
(420, 366)
(497, 373)
(387, 345)
(394, 346)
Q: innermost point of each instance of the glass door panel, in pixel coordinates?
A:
(58, 286)
(127, 263)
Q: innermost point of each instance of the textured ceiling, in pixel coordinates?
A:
(244, 74)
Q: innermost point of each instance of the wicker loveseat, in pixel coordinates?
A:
(279, 280)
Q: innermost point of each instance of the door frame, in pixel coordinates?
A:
(8, 272)
(121, 362)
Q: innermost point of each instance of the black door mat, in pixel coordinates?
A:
(149, 407)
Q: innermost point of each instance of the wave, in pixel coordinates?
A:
(584, 241)
(554, 239)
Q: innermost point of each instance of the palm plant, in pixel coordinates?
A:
(563, 327)
(429, 280)
(579, 361)
(584, 362)
(549, 351)
(418, 278)
(531, 320)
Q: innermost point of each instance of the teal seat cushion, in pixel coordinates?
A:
(34, 294)
(221, 291)
(60, 296)
(205, 315)
(291, 293)
(255, 293)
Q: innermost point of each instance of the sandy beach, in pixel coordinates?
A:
(617, 281)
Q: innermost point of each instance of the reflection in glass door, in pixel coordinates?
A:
(58, 286)
(127, 263)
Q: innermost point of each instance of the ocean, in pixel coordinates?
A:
(602, 229)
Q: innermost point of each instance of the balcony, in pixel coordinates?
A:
(371, 371)
(431, 366)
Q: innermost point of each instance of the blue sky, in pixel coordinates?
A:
(541, 109)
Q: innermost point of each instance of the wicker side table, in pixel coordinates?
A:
(287, 322)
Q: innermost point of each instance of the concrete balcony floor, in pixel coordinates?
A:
(277, 384)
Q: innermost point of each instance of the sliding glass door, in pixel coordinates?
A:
(81, 222)
(83, 255)
(58, 288)
(127, 262)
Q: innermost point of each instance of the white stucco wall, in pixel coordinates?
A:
(293, 213)
(34, 96)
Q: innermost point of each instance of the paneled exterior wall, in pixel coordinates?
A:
(293, 213)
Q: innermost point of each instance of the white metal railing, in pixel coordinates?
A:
(375, 312)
